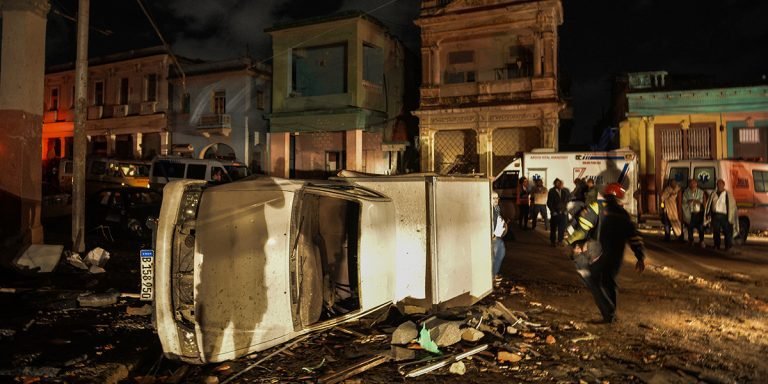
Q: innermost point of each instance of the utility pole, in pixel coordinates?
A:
(80, 140)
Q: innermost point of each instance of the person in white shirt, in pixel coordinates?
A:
(499, 230)
(721, 210)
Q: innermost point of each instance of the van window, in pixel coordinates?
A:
(507, 180)
(165, 168)
(196, 171)
(706, 177)
(218, 175)
(98, 168)
(679, 174)
(760, 180)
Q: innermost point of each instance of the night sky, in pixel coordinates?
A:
(723, 40)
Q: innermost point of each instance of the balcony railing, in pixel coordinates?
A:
(214, 124)
(148, 107)
(95, 112)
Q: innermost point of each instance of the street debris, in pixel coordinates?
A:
(144, 310)
(98, 299)
(40, 258)
(405, 333)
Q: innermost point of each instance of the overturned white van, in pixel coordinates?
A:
(244, 266)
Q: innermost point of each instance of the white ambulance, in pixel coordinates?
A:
(545, 164)
(748, 181)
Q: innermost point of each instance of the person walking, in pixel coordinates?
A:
(523, 203)
(557, 202)
(721, 210)
(497, 242)
(693, 210)
(670, 217)
(539, 196)
(598, 240)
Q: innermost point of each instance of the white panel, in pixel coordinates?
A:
(463, 238)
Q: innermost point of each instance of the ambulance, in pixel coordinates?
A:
(618, 166)
(748, 181)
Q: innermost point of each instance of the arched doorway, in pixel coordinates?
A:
(217, 151)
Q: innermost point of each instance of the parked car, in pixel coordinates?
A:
(747, 181)
(105, 173)
(122, 211)
(236, 170)
(165, 169)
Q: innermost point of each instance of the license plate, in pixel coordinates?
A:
(147, 274)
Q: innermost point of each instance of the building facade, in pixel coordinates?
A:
(127, 98)
(664, 123)
(336, 97)
(489, 82)
(21, 94)
(219, 110)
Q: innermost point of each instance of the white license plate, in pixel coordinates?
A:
(147, 288)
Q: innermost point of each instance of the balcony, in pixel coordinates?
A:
(95, 112)
(148, 107)
(120, 110)
(214, 124)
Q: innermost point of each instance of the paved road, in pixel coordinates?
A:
(694, 310)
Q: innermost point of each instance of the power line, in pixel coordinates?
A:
(165, 44)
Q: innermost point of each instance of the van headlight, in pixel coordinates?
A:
(190, 202)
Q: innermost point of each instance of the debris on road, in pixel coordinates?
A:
(98, 299)
(144, 310)
(39, 258)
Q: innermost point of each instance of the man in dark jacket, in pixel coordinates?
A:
(557, 202)
(598, 240)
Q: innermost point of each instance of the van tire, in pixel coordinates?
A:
(743, 230)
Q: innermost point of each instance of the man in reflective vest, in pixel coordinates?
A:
(598, 237)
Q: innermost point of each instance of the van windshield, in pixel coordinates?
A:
(237, 172)
(169, 169)
(134, 169)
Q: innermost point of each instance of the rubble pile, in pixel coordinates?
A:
(488, 341)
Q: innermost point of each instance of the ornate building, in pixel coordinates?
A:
(489, 82)
(336, 97)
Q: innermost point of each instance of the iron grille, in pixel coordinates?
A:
(456, 152)
(699, 142)
(508, 141)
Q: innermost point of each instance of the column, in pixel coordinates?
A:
(549, 132)
(435, 65)
(165, 143)
(426, 151)
(426, 66)
(21, 108)
(279, 154)
(548, 53)
(353, 145)
(485, 152)
(537, 54)
(63, 146)
(111, 138)
(137, 141)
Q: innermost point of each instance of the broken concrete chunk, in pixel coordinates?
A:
(40, 258)
(529, 335)
(144, 310)
(97, 256)
(211, 380)
(75, 261)
(405, 333)
(550, 339)
(96, 269)
(472, 335)
(508, 357)
(511, 330)
(446, 334)
(414, 310)
(458, 368)
(400, 353)
(7, 333)
(99, 299)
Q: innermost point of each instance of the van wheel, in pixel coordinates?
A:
(743, 230)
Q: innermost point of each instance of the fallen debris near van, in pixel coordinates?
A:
(98, 299)
(39, 258)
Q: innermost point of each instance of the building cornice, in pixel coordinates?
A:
(715, 100)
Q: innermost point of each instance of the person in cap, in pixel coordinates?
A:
(598, 238)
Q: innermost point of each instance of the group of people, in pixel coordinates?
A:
(693, 209)
(533, 202)
(599, 232)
